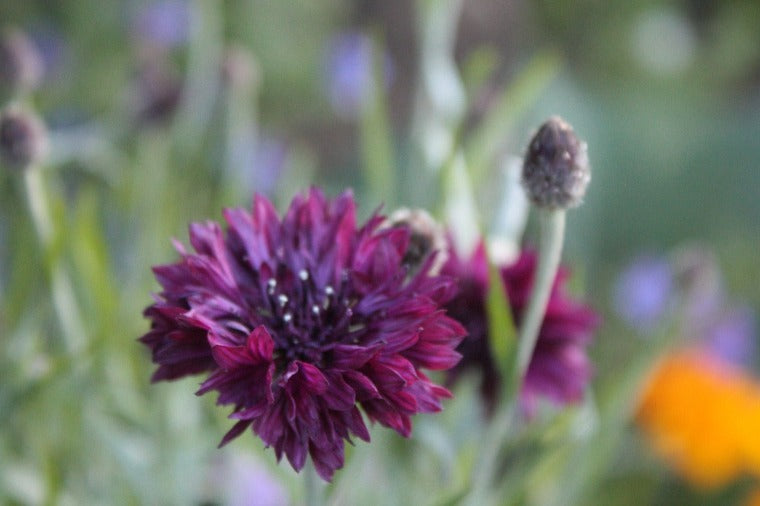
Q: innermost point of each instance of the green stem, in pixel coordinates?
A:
(61, 290)
(495, 434)
(314, 496)
(552, 224)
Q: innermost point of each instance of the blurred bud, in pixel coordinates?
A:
(699, 278)
(23, 138)
(556, 171)
(157, 91)
(21, 65)
(240, 69)
(426, 236)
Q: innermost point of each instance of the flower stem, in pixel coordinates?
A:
(552, 225)
(314, 495)
(495, 434)
(552, 234)
(61, 290)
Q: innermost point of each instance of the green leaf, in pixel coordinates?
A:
(501, 327)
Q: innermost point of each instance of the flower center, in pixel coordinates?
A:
(306, 320)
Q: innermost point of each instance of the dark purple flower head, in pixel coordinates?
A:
(300, 320)
(559, 369)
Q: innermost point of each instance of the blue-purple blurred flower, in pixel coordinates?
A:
(54, 50)
(269, 159)
(164, 24)
(643, 291)
(241, 480)
(732, 336)
(349, 69)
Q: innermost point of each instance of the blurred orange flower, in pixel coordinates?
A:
(703, 415)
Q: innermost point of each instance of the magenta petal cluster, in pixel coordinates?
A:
(301, 320)
(559, 368)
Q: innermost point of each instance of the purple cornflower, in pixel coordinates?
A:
(643, 291)
(300, 321)
(559, 368)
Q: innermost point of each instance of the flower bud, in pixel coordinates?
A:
(426, 236)
(556, 171)
(156, 91)
(240, 69)
(21, 65)
(23, 138)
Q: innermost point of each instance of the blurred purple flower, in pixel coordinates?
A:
(559, 369)
(156, 91)
(269, 159)
(350, 73)
(54, 50)
(241, 480)
(642, 292)
(257, 163)
(164, 24)
(300, 321)
(733, 335)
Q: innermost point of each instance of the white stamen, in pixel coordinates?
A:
(283, 299)
(329, 290)
(303, 274)
(287, 317)
(315, 309)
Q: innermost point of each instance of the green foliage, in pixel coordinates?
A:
(675, 157)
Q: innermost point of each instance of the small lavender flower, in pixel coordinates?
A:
(242, 480)
(300, 321)
(349, 72)
(163, 24)
(270, 158)
(559, 369)
(733, 336)
(643, 291)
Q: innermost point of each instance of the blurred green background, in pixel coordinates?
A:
(161, 113)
